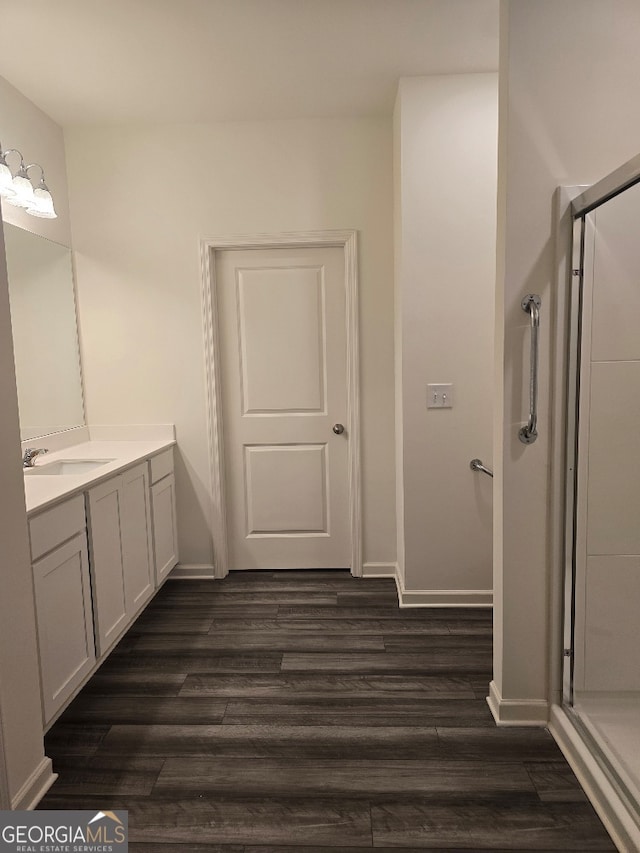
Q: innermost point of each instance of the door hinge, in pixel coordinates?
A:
(568, 653)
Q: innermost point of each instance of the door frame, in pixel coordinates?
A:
(345, 240)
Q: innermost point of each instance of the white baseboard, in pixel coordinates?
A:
(192, 571)
(379, 570)
(611, 808)
(517, 712)
(442, 597)
(35, 787)
(446, 598)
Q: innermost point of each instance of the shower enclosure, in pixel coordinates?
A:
(601, 672)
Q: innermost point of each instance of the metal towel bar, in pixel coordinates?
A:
(529, 433)
(476, 465)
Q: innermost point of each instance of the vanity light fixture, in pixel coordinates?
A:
(18, 190)
(42, 199)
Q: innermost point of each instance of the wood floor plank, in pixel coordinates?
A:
(420, 643)
(270, 848)
(363, 711)
(555, 782)
(337, 583)
(339, 778)
(373, 598)
(263, 741)
(504, 743)
(266, 641)
(186, 662)
(322, 685)
(213, 608)
(362, 611)
(454, 662)
(191, 847)
(105, 774)
(71, 739)
(144, 710)
(245, 597)
(294, 821)
(116, 683)
(482, 826)
(158, 622)
(391, 626)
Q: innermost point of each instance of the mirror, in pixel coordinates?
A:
(45, 333)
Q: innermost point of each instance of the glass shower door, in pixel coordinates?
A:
(602, 618)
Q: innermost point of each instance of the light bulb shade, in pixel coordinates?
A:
(6, 180)
(23, 187)
(43, 204)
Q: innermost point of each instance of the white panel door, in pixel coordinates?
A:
(283, 375)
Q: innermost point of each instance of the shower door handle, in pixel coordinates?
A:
(529, 433)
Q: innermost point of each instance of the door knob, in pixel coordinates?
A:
(338, 429)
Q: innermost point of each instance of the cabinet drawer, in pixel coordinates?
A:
(161, 465)
(54, 526)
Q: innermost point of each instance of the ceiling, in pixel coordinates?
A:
(123, 61)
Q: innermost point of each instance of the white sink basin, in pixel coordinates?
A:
(67, 466)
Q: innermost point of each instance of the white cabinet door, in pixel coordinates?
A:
(65, 628)
(165, 531)
(104, 516)
(137, 549)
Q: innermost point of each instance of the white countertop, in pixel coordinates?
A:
(42, 491)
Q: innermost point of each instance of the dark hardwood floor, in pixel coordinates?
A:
(304, 711)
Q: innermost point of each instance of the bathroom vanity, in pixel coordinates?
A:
(102, 529)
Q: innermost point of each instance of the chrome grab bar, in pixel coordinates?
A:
(529, 433)
(476, 465)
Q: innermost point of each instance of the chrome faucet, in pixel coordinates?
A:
(30, 455)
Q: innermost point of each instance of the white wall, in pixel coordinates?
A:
(446, 162)
(40, 140)
(568, 115)
(20, 711)
(141, 198)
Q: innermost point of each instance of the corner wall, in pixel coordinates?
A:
(445, 210)
(558, 127)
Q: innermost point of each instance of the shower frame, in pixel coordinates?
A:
(614, 802)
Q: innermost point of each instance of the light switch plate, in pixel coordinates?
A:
(440, 396)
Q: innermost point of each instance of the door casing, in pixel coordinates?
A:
(347, 241)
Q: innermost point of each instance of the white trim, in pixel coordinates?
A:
(428, 597)
(516, 712)
(446, 598)
(604, 797)
(192, 571)
(35, 787)
(379, 570)
(347, 240)
(442, 597)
